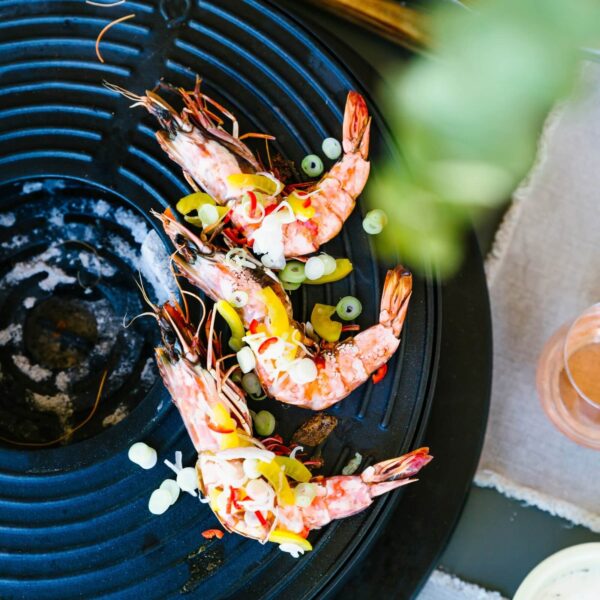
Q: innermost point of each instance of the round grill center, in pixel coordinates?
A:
(72, 256)
(60, 333)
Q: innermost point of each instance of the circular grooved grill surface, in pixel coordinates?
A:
(73, 520)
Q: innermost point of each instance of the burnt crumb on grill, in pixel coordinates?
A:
(285, 170)
(208, 558)
(315, 431)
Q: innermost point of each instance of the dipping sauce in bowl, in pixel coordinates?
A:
(571, 574)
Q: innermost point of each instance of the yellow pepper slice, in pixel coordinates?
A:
(231, 318)
(197, 221)
(297, 203)
(193, 202)
(280, 536)
(213, 496)
(221, 418)
(275, 475)
(279, 322)
(294, 468)
(261, 183)
(329, 330)
(343, 267)
(230, 440)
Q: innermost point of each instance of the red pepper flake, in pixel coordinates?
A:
(291, 187)
(266, 344)
(379, 374)
(230, 500)
(253, 326)
(350, 327)
(234, 499)
(260, 517)
(313, 463)
(227, 217)
(209, 534)
(306, 203)
(218, 428)
(273, 438)
(252, 197)
(235, 236)
(169, 213)
(319, 361)
(269, 209)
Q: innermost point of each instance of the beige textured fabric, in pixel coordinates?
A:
(442, 586)
(543, 270)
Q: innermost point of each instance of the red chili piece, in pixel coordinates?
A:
(253, 326)
(252, 197)
(319, 362)
(259, 516)
(218, 428)
(306, 203)
(268, 342)
(212, 533)
(379, 374)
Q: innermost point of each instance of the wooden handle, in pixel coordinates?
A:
(399, 24)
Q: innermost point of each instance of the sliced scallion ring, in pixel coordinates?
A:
(374, 221)
(314, 268)
(312, 165)
(290, 287)
(293, 272)
(208, 214)
(329, 263)
(331, 148)
(251, 384)
(264, 423)
(246, 359)
(238, 299)
(348, 308)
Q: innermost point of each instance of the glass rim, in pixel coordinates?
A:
(582, 315)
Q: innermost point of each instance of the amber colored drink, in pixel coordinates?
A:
(568, 378)
(584, 368)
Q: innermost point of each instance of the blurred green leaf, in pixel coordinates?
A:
(468, 119)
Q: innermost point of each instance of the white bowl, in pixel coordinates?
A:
(564, 571)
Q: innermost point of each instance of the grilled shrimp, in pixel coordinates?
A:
(252, 491)
(209, 269)
(342, 366)
(282, 350)
(209, 156)
(334, 196)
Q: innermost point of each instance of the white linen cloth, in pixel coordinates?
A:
(443, 586)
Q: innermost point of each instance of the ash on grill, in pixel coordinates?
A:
(69, 255)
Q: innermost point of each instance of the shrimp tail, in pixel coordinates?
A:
(357, 125)
(390, 474)
(397, 290)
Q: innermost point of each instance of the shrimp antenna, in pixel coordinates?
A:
(144, 314)
(211, 332)
(113, 87)
(202, 304)
(140, 285)
(226, 377)
(183, 298)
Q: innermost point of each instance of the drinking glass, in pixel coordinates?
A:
(568, 378)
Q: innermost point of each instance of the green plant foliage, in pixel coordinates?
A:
(468, 117)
